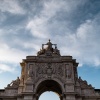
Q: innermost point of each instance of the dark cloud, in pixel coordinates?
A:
(25, 24)
(65, 22)
(13, 20)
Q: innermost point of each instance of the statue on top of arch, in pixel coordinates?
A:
(49, 50)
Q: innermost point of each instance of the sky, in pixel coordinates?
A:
(74, 25)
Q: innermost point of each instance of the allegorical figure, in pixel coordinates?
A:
(68, 72)
(30, 71)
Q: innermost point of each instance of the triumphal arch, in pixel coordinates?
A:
(49, 71)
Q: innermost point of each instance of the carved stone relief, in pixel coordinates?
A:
(14, 83)
(88, 92)
(60, 70)
(69, 88)
(31, 70)
(68, 71)
(10, 92)
(49, 69)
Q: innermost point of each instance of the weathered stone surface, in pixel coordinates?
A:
(49, 71)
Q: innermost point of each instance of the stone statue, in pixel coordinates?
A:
(49, 50)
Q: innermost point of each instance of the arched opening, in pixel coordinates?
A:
(49, 95)
(49, 88)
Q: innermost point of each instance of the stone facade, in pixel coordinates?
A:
(49, 71)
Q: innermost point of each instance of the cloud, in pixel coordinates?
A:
(11, 6)
(56, 20)
(84, 43)
(39, 26)
(10, 58)
(6, 68)
(88, 34)
(74, 25)
(2, 17)
(8, 54)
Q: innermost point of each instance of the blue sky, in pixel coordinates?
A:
(72, 24)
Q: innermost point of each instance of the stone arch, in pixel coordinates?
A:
(54, 79)
(48, 85)
(44, 84)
